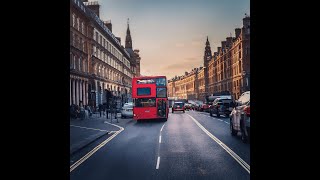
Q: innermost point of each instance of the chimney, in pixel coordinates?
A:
(246, 22)
(108, 24)
(237, 31)
(223, 44)
(229, 41)
(219, 48)
(94, 6)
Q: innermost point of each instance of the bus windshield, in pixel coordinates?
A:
(145, 102)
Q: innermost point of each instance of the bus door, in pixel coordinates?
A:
(162, 108)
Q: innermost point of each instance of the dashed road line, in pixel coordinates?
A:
(158, 162)
(162, 127)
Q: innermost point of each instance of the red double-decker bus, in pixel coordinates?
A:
(150, 97)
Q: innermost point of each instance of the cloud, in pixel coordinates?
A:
(190, 59)
(196, 43)
(179, 44)
(185, 66)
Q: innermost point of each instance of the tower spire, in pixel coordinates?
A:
(128, 37)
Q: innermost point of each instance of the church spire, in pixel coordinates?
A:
(207, 43)
(128, 37)
(207, 52)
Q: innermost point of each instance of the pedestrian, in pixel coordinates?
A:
(100, 109)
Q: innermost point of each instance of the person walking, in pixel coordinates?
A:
(100, 109)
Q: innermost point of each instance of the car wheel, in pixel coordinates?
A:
(227, 115)
(183, 111)
(233, 132)
(244, 138)
(218, 115)
(210, 113)
(172, 111)
(165, 119)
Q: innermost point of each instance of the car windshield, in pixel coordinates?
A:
(128, 106)
(178, 104)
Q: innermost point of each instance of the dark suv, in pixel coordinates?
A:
(221, 106)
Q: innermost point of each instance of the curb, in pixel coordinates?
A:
(77, 147)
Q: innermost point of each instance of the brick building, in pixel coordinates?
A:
(227, 70)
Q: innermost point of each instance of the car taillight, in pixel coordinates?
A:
(247, 110)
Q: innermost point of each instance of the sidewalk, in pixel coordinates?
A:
(83, 132)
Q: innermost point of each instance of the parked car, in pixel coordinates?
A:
(187, 106)
(221, 106)
(178, 106)
(127, 110)
(204, 107)
(198, 105)
(240, 117)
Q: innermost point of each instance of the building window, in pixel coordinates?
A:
(78, 24)
(82, 28)
(76, 41)
(81, 44)
(97, 36)
(239, 54)
(84, 46)
(73, 20)
(81, 64)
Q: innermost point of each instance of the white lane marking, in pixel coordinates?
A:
(114, 125)
(226, 122)
(158, 162)
(87, 128)
(225, 147)
(85, 157)
(160, 139)
(162, 127)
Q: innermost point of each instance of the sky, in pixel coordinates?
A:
(171, 34)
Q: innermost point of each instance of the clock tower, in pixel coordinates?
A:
(207, 54)
(206, 59)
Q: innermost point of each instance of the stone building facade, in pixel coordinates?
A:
(98, 61)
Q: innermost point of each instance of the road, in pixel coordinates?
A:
(189, 145)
